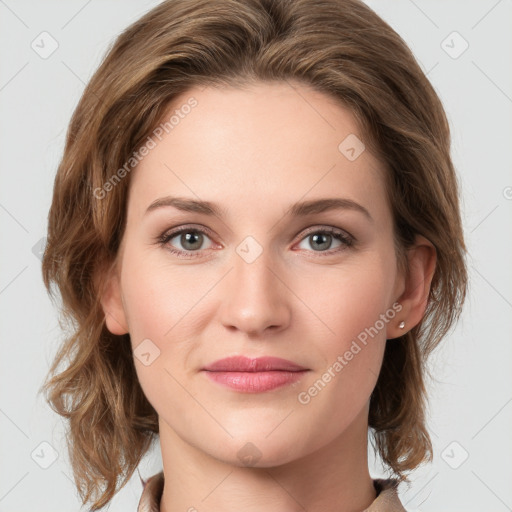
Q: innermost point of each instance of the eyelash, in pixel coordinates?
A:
(164, 238)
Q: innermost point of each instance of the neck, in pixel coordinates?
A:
(332, 478)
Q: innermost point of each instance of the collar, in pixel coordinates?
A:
(386, 501)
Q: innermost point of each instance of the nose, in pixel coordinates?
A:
(255, 297)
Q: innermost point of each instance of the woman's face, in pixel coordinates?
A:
(271, 273)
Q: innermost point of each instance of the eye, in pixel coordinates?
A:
(184, 241)
(189, 242)
(321, 240)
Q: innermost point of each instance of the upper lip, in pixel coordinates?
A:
(259, 364)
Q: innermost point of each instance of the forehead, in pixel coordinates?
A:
(278, 139)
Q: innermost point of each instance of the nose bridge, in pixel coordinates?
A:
(254, 299)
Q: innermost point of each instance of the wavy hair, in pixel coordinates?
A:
(339, 47)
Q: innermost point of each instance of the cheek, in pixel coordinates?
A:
(159, 302)
(351, 347)
(354, 312)
(162, 302)
(157, 296)
(350, 299)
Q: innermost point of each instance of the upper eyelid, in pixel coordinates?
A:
(179, 229)
(320, 227)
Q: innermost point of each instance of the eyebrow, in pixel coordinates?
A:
(300, 209)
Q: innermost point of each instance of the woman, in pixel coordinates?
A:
(256, 231)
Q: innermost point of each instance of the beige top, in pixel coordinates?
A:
(386, 501)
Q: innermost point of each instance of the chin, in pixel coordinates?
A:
(251, 448)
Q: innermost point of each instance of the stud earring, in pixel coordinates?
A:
(401, 325)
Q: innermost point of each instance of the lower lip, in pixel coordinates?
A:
(255, 382)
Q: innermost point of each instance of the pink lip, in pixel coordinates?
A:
(254, 375)
(246, 364)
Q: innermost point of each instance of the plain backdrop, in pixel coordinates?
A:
(466, 49)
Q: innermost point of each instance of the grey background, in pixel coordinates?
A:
(471, 398)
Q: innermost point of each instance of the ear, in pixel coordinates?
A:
(422, 259)
(112, 302)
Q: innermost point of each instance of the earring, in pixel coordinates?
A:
(401, 325)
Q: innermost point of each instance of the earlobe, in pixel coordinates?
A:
(414, 299)
(112, 304)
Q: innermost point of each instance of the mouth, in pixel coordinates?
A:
(254, 375)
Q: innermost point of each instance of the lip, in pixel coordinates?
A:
(254, 375)
(259, 364)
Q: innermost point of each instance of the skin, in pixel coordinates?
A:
(255, 151)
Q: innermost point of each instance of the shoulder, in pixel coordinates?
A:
(151, 493)
(387, 499)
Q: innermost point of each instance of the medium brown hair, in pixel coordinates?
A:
(340, 48)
